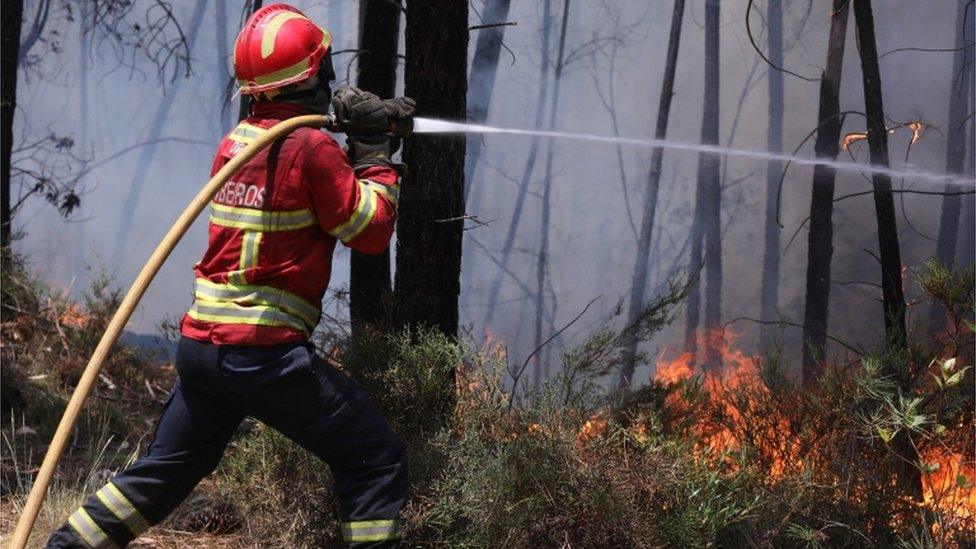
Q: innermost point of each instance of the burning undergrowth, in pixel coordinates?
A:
(877, 452)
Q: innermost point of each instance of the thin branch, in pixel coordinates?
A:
(792, 325)
(966, 47)
(546, 342)
(493, 25)
(752, 41)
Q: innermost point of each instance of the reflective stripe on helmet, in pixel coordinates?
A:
(260, 220)
(370, 530)
(271, 30)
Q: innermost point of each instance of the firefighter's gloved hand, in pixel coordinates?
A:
(400, 108)
(371, 150)
(358, 112)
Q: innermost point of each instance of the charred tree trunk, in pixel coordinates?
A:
(84, 41)
(369, 275)
(969, 205)
(542, 261)
(223, 58)
(639, 284)
(707, 228)
(428, 268)
(945, 251)
(890, 253)
(11, 19)
(124, 236)
(909, 477)
(820, 248)
(774, 142)
(484, 66)
(523, 190)
(245, 109)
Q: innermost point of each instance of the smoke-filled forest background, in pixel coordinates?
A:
(147, 147)
(655, 347)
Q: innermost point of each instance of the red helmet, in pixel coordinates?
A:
(278, 46)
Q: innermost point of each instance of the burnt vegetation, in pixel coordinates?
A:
(832, 406)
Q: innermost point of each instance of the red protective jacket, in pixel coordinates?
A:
(273, 228)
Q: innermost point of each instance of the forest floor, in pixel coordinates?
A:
(738, 457)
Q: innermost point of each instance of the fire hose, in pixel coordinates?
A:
(46, 472)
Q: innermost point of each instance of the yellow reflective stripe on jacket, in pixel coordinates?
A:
(260, 220)
(232, 313)
(370, 530)
(250, 245)
(120, 506)
(245, 133)
(212, 292)
(361, 216)
(89, 530)
(391, 192)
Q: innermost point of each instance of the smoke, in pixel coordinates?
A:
(592, 242)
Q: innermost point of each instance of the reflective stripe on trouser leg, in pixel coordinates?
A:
(120, 506)
(371, 530)
(89, 530)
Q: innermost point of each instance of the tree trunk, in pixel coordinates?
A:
(529, 166)
(890, 253)
(774, 142)
(945, 251)
(707, 227)
(11, 18)
(79, 251)
(639, 283)
(428, 268)
(127, 211)
(484, 66)
(966, 257)
(542, 260)
(223, 58)
(820, 246)
(909, 478)
(245, 108)
(369, 275)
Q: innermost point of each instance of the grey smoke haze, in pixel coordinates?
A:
(593, 242)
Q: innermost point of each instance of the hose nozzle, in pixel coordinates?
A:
(401, 127)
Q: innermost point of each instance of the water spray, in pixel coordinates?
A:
(431, 125)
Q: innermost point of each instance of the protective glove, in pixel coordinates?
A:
(367, 121)
(371, 150)
(360, 113)
(400, 109)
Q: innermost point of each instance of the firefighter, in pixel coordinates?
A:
(245, 347)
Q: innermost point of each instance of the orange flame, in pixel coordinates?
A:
(854, 137)
(74, 317)
(594, 427)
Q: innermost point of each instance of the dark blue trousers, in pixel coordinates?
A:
(288, 388)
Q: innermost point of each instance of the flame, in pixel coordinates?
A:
(74, 317)
(669, 372)
(916, 128)
(854, 137)
(594, 427)
(948, 485)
